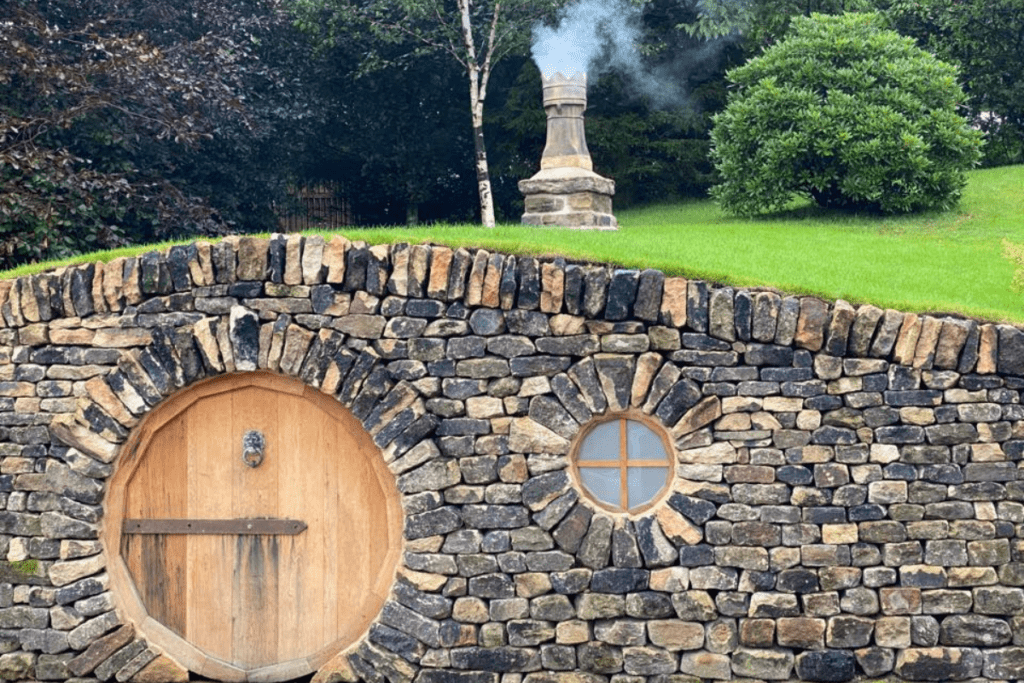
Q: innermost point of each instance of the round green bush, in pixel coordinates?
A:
(848, 113)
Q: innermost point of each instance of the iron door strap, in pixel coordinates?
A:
(252, 527)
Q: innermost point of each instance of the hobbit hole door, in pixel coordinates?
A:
(257, 526)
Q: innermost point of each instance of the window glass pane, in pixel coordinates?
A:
(602, 443)
(603, 483)
(642, 443)
(644, 483)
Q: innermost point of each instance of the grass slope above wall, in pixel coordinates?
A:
(949, 262)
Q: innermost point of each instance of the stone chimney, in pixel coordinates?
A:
(566, 192)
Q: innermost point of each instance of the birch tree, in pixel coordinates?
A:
(477, 34)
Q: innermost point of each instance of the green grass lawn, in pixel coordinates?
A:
(949, 262)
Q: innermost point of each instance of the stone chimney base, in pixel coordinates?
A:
(570, 198)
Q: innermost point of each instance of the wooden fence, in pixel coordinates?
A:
(320, 205)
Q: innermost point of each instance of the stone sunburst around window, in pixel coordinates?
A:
(624, 462)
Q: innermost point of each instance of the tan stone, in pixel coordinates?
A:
(906, 340)
(734, 422)
(988, 347)
(803, 632)
(470, 611)
(61, 336)
(475, 286)
(313, 260)
(227, 353)
(670, 579)
(130, 283)
(297, 341)
(419, 266)
(5, 292)
(29, 304)
(490, 294)
(334, 259)
(27, 405)
(572, 632)
(527, 436)
(647, 365)
(337, 670)
(293, 260)
(811, 324)
(37, 335)
(924, 353)
(19, 389)
(532, 584)
(101, 393)
(422, 580)
(706, 665)
(987, 452)
(440, 266)
(332, 379)
(78, 436)
(99, 302)
(14, 299)
(63, 573)
(552, 287)
(484, 407)
(900, 601)
(839, 533)
(721, 453)
(122, 337)
(782, 404)
(252, 259)
(564, 324)
(163, 669)
(914, 415)
(675, 635)
(673, 302)
(677, 528)
(207, 340)
(893, 632)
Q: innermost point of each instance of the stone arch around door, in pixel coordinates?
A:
(806, 437)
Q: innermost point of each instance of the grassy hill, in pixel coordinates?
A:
(951, 262)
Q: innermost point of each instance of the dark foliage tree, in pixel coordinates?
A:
(986, 39)
(135, 121)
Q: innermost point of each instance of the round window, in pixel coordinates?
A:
(624, 463)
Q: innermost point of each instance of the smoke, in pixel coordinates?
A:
(600, 36)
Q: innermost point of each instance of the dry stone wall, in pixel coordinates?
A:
(847, 498)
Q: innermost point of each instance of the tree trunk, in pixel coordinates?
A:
(477, 92)
(483, 174)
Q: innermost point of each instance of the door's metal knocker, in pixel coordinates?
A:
(253, 446)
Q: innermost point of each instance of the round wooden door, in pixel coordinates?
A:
(257, 525)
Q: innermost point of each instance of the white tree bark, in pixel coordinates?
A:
(478, 76)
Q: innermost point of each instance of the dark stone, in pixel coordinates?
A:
(648, 296)
(1011, 351)
(529, 284)
(508, 282)
(625, 552)
(544, 487)
(696, 510)
(768, 354)
(743, 306)
(595, 290)
(683, 395)
(500, 659)
(572, 289)
(276, 257)
(530, 366)
(619, 580)
(495, 516)
(432, 523)
(621, 294)
(528, 323)
(357, 259)
(831, 666)
(570, 532)
(797, 580)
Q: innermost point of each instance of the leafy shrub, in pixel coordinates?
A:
(848, 113)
